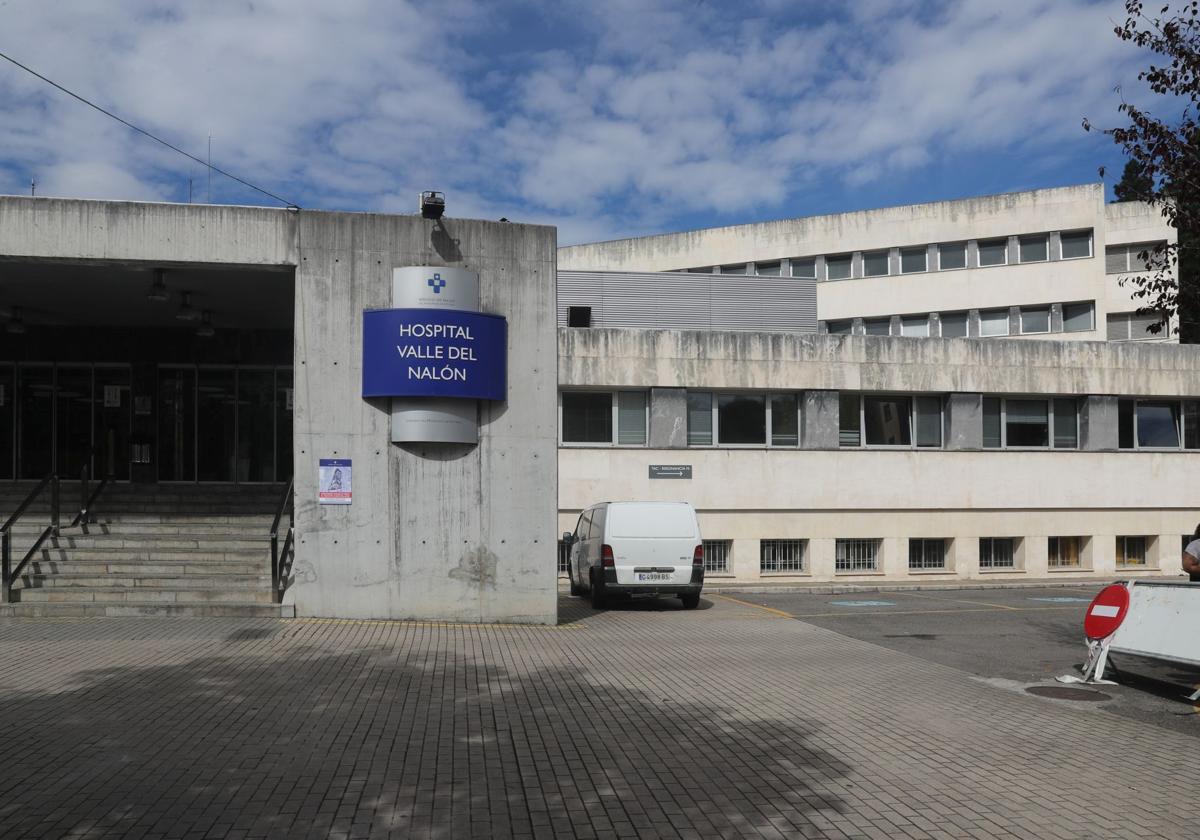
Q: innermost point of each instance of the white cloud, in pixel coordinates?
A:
(612, 118)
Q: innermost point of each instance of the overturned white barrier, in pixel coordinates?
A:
(1154, 619)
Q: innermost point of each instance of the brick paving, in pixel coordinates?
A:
(728, 721)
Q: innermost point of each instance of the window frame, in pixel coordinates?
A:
(1050, 400)
(1181, 404)
(923, 250)
(726, 567)
(978, 252)
(966, 324)
(1091, 239)
(795, 262)
(912, 397)
(876, 544)
(1023, 238)
(1121, 550)
(615, 427)
(1031, 309)
(800, 546)
(887, 262)
(1007, 321)
(849, 265)
(965, 253)
(768, 422)
(1090, 304)
(924, 543)
(1014, 554)
(1082, 553)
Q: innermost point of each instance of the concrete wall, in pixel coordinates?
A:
(461, 533)
(821, 492)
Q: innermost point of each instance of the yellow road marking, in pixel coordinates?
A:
(772, 610)
(400, 621)
(849, 613)
(956, 600)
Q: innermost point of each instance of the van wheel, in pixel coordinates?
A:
(690, 602)
(598, 597)
(576, 589)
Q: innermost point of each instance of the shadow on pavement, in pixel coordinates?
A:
(320, 735)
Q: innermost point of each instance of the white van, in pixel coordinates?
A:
(637, 548)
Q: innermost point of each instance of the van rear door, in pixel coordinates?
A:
(653, 542)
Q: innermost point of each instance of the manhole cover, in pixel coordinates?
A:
(1062, 692)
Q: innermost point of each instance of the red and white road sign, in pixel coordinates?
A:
(1106, 612)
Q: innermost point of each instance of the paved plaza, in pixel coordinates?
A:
(733, 720)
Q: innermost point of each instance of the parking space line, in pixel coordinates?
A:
(772, 610)
(958, 600)
(988, 608)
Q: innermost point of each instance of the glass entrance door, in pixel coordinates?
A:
(36, 430)
(112, 413)
(73, 419)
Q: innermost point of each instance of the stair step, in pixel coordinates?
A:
(153, 542)
(142, 568)
(147, 610)
(119, 595)
(145, 581)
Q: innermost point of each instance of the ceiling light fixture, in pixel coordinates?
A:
(205, 330)
(187, 312)
(16, 326)
(158, 289)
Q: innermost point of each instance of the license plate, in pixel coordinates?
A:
(653, 576)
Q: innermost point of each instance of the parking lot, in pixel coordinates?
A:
(753, 716)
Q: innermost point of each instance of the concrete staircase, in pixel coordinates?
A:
(165, 550)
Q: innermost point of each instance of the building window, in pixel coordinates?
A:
(587, 417)
(631, 418)
(926, 554)
(1027, 423)
(1035, 320)
(875, 263)
(952, 255)
(1158, 424)
(877, 326)
(1076, 244)
(705, 270)
(1078, 317)
(740, 268)
(743, 419)
(1133, 326)
(890, 421)
(839, 327)
(1119, 259)
(1034, 248)
(1065, 552)
(767, 269)
(1131, 551)
(564, 557)
(849, 420)
(781, 555)
(838, 267)
(806, 267)
(915, 326)
(997, 553)
(591, 417)
(856, 556)
(784, 418)
(954, 324)
(700, 418)
(993, 252)
(993, 322)
(913, 260)
(716, 555)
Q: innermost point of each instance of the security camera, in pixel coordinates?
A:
(433, 204)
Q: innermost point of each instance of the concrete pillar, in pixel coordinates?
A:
(973, 323)
(935, 324)
(1014, 250)
(668, 418)
(895, 325)
(1055, 247)
(893, 261)
(964, 422)
(819, 268)
(819, 429)
(856, 264)
(972, 253)
(931, 258)
(1056, 318)
(1014, 320)
(1098, 423)
(856, 327)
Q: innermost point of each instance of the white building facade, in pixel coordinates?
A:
(905, 440)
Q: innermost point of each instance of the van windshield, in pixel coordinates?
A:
(651, 521)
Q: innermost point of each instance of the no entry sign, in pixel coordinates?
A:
(1106, 612)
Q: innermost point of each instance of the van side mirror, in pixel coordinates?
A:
(568, 537)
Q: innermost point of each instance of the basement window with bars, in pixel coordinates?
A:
(716, 555)
(781, 555)
(1132, 551)
(997, 552)
(926, 554)
(856, 555)
(1065, 552)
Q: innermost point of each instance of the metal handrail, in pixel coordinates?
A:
(278, 558)
(88, 501)
(7, 573)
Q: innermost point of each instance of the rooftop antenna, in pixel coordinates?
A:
(33, 189)
(210, 168)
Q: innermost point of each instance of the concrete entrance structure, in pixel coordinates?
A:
(435, 531)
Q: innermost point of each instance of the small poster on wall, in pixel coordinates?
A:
(333, 481)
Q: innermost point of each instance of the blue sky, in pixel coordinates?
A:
(607, 119)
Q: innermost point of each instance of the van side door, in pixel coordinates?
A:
(579, 550)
